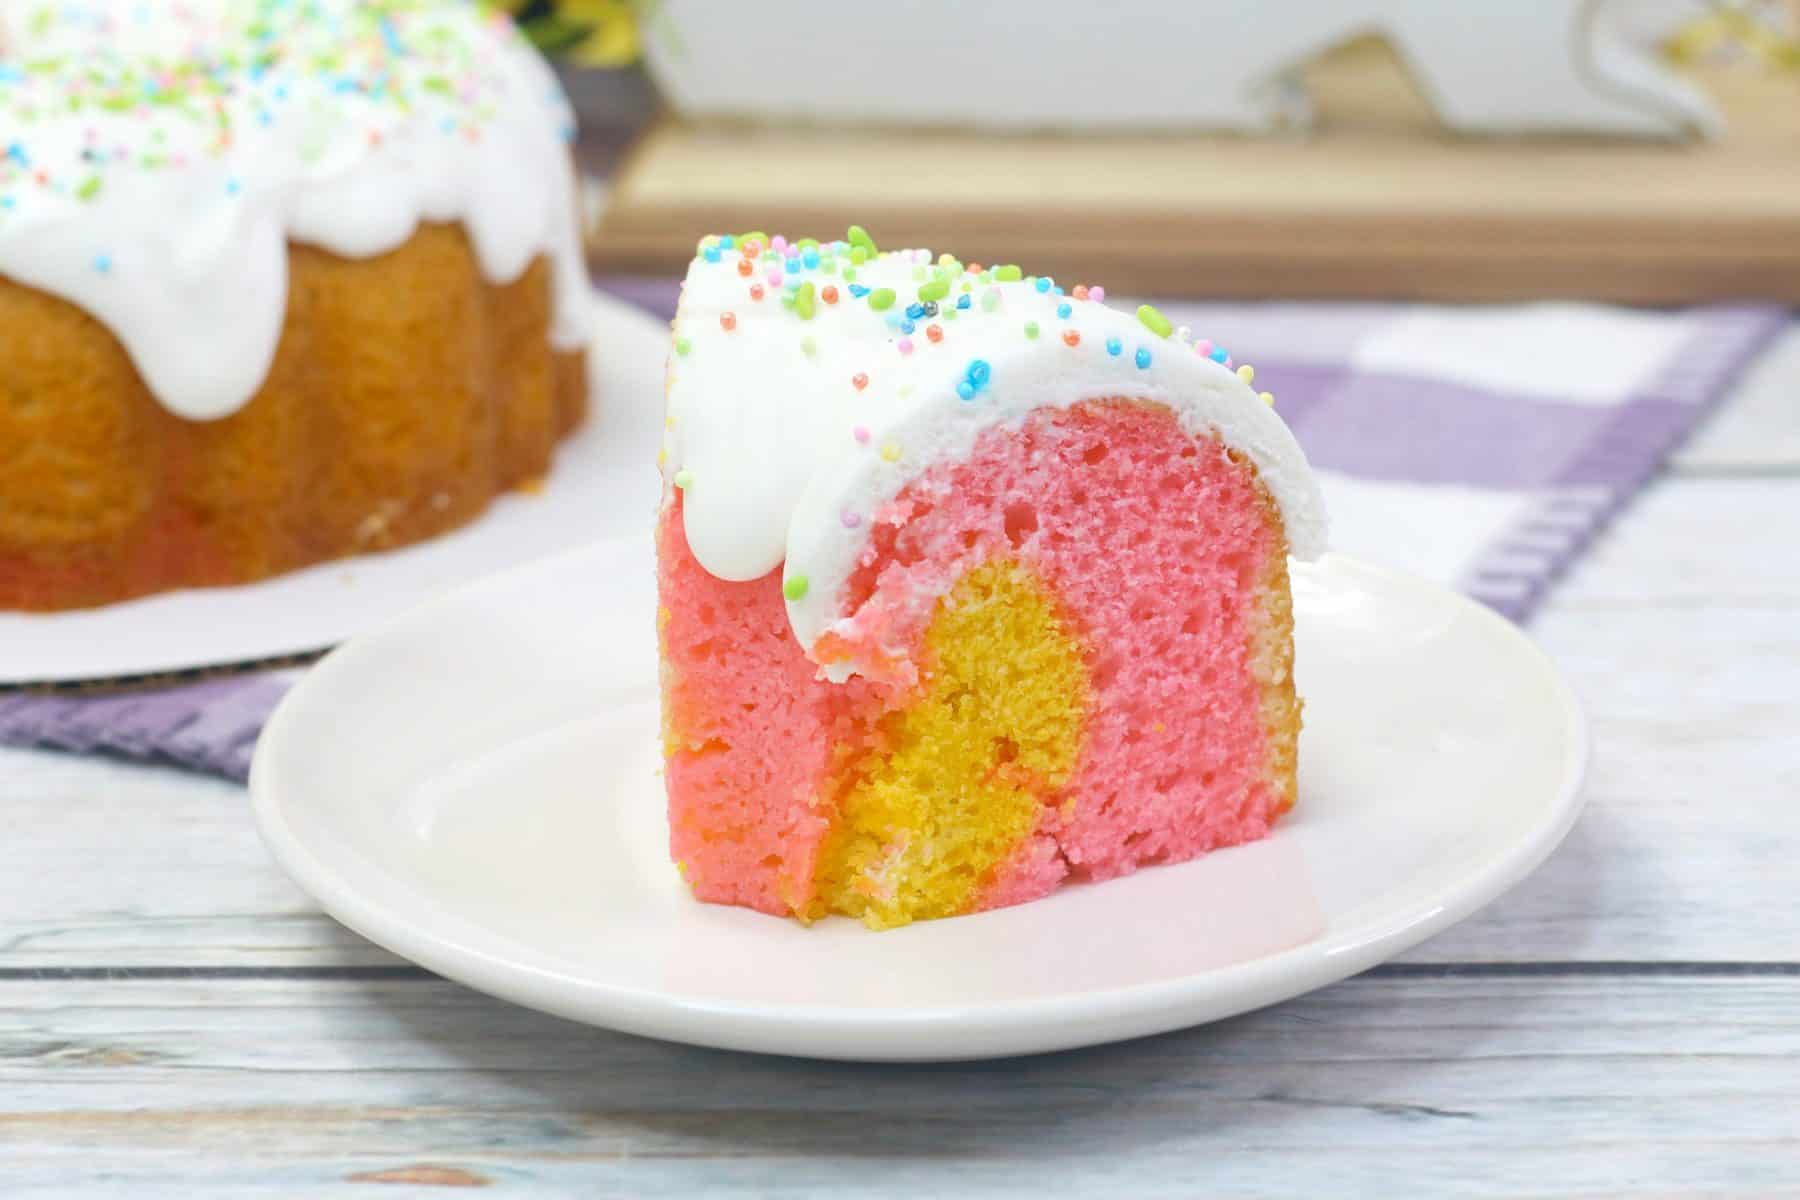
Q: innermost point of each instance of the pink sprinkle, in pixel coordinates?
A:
(1204, 347)
(1096, 293)
(778, 243)
(860, 433)
(774, 278)
(1228, 362)
(904, 345)
(850, 519)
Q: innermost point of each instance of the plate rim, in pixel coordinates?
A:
(1003, 1029)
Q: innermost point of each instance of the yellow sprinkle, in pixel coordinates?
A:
(1267, 398)
(890, 452)
(662, 458)
(1246, 372)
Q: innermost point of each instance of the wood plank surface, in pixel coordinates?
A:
(1374, 202)
(1614, 1085)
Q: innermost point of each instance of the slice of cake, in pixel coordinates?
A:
(279, 283)
(970, 585)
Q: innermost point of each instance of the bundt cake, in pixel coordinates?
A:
(280, 281)
(969, 585)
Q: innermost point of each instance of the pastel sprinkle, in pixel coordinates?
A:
(803, 301)
(1096, 293)
(990, 300)
(1246, 372)
(979, 372)
(775, 278)
(794, 587)
(810, 259)
(1031, 329)
(966, 390)
(829, 294)
(1071, 337)
(890, 452)
(682, 346)
(809, 347)
(1203, 347)
(881, 299)
(89, 187)
(1142, 357)
(1114, 346)
(1043, 283)
(849, 519)
(857, 290)
(711, 254)
(1218, 355)
(860, 433)
(727, 321)
(1153, 320)
(937, 289)
(859, 381)
(904, 345)
(1063, 311)
(1007, 274)
(684, 479)
(1079, 291)
(935, 332)
(103, 263)
(744, 267)
(859, 239)
(1267, 398)
(963, 301)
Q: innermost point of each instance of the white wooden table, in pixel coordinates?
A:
(177, 1019)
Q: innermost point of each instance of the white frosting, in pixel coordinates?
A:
(163, 205)
(765, 420)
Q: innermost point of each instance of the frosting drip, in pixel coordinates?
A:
(156, 157)
(810, 382)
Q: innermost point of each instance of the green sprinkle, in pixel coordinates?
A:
(849, 274)
(990, 300)
(859, 238)
(807, 243)
(803, 301)
(828, 266)
(881, 299)
(1008, 274)
(795, 585)
(949, 313)
(759, 236)
(918, 273)
(682, 346)
(1031, 329)
(809, 347)
(1154, 321)
(684, 479)
(937, 289)
(858, 255)
(89, 187)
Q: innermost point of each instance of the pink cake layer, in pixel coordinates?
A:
(1160, 551)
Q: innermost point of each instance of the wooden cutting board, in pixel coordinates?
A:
(1374, 201)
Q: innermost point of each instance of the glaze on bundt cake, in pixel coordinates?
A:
(969, 586)
(279, 282)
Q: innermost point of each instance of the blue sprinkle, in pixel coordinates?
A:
(1218, 355)
(233, 187)
(710, 254)
(103, 263)
(1043, 283)
(810, 257)
(1057, 290)
(16, 152)
(893, 319)
(1063, 310)
(1113, 346)
(1143, 358)
(281, 91)
(858, 290)
(907, 327)
(264, 117)
(391, 37)
(727, 242)
(344, 86)
(447, 124)
(962, 301)
(979, 372)
(10, 74)
(966, 390)
(7, 202)
(915, 311)
(792, 264)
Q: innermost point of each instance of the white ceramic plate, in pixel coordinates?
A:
(604, 484)
(476, 787)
